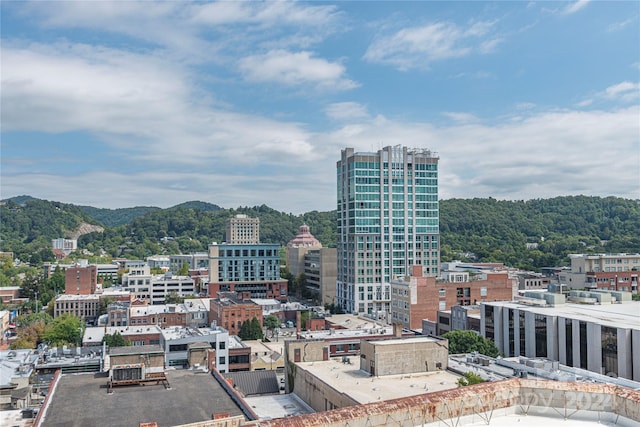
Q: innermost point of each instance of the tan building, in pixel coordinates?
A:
(419, 297)
(321, 270)
(243, 230)
(298, 247)
(83, 306)
(420, 354)
(603, 271)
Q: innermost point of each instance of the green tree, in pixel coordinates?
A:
(468, 342)
(65, 329)
(184, 270)
(469, 378)
(256, 329)
(173, 298)
(271, 322)
(245, 331)
(115, 340)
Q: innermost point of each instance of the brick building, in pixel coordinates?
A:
(165, 316)
(418, 297)
(230, 310)
(80, 280)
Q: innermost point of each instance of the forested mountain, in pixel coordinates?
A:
(115, 217)
(493, 230)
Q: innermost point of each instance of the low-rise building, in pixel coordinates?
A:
(80, 280)
(176, 342)
(231, 310)
(83, 306)
(165, 315)
(419, 297)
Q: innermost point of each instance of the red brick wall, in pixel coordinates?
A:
(80, 280)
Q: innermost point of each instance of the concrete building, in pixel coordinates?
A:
(154, 288)
(231, 310)
(321, 270)
(83, 306)
(603, 271)
(242, 230)
(176, 342)
(388, 221)
(197, 312)
(161, 262)
(595, 334)
(297, 248)
(417, 297)
(65, 245)
(532, 281)
(419, 354)
(80, 280)
(135, 335)
(196, 261)
(253, 268)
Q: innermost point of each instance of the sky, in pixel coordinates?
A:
(244, 103)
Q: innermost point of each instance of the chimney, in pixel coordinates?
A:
(397, 329)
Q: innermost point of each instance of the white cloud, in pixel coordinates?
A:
(619, 26)
(461, 117)
(575, 7)
(295, 68)
(418, 47)
(625, 92)
(346, 111)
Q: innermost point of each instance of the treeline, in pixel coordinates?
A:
(479, 229)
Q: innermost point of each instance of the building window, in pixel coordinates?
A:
(483, 291)
(222, 360)
(610, 351)
(221, 345)
(541, 335)
(442, 292)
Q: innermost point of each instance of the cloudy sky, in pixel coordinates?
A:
(120, 104)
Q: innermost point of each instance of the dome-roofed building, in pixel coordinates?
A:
(298, 247)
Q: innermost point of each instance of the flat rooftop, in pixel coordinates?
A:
(278, 406)
(82, 400)
(408, 340)
(623, 315)
(363, 388)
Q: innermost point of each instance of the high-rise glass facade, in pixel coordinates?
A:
(388, 221)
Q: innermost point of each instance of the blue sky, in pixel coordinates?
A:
(120, 104)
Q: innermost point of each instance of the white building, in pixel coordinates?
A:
(596, 335)
(176, 341)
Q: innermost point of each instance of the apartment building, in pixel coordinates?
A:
(196, 261)
(388, 221)
(80, 280)
(603, 271)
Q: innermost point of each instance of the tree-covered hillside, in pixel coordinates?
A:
(493, 230)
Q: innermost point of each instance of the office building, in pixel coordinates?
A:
(320, 269)
(197, 261)
(596, 331)
(388, 221)
(243, 230)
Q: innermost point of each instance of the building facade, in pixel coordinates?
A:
(603, 271)
(320, 269)
(242, 230)
(253, 268)
(388, 221)
(298, 247)
(83, 306)
(197, 261)
(230, 312)
(599, 336)
(80, 280)
(419, 297)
